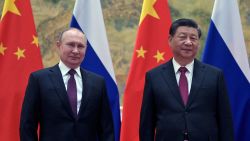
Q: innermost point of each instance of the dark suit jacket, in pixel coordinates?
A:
(206, 117)
(46, 102)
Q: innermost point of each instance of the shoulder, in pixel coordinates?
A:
(207, 67)
(165, 66)
(91, 75)
(45, 71)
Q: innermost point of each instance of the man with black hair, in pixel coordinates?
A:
(184, 99)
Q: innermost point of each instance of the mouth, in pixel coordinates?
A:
(186, 49)
(74, 57)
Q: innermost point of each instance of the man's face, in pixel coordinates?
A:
(72, 48)
(184, 43)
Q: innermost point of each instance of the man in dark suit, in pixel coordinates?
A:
(184, 99)
(67, 102)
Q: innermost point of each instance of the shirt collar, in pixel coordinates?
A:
(64, 69)
(189, 66)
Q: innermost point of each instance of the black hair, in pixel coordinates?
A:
(184, 22)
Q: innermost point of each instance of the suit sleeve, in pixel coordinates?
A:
(147, 115)
(224, 112)
(106, 126)
(30, 112)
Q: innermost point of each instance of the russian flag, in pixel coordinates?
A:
(87, 16)
(225, 48)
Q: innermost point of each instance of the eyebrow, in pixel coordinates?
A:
(192, 34)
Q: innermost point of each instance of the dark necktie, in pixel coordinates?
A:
(71, 90)
(183, 84)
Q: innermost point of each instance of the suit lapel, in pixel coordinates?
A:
(85, 92)
(198, 76)
(58, 83)
(169, 76)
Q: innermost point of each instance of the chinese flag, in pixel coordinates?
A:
(19, 56)
(151, 49)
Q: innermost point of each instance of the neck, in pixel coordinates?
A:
(183, 62)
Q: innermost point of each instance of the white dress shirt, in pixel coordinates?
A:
(78, 77)
(189, 73)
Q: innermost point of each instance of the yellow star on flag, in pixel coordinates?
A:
(159, 56)
(35, 41)
(2, 49)
(148, 9)
(10, 6)
(20, 53)
(141, 52)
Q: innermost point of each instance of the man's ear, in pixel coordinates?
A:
(199, 45)
(170, 39)
(58, 43)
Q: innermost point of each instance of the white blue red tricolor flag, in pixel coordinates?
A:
(225, 48)
(88, 17)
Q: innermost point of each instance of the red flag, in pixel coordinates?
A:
(151, 49)
(19, 56)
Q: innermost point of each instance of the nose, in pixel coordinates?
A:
(75, 49)
(188, 41)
